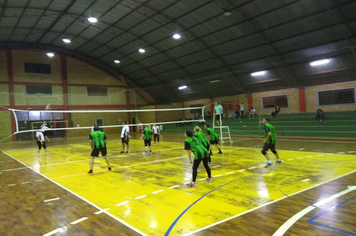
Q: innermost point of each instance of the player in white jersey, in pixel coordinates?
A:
(156, 133)
(125, 137)
(41, 142)
(45, 129)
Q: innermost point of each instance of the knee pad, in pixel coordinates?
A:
(263, 152)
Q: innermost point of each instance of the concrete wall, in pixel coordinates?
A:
(5, 125)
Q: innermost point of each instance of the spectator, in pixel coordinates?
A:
(242, 110)
(276, 111)
(252, 112)
(236, 112)
(319, 116)
(218, 112)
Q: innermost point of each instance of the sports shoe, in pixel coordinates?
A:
(144, 153)
(210, 164)
(127, 151)
(38, 155)
(47, 154)
(90, 172)
(191, 184)
(279, 161)
(220, 152)
(122, 151)
(209, 180)
(150, 152)
(269, 164)
(109, 169)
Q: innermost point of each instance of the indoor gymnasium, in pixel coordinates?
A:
(177, 117)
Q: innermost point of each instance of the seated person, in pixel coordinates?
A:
(236, 113)
(276, 111)
(252, 112)
(319, 116)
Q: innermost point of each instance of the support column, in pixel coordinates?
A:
(156, 114)
(64, 76)
(10, 76)
(128, 106)
(212, 106)
(250, 101)
(301, 100)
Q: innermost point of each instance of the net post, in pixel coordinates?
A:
(16, 122)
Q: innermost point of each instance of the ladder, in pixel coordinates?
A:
(223, 130)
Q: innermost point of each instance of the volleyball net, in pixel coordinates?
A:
(76, 123)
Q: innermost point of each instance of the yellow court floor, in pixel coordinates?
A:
(149, 192)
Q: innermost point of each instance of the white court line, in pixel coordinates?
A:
(309, 156)
(175, 186)
(102, 211)
(11, 184)
(241, 170)
(21, 168)
(216, 166)
(122, 203)
(300, 157)
(140, 197)
(341, 153)
(217, 176)
(290, 159)
(305, 180)
(229, 173)
(301, 149)
(202, 179)
(351, 151)
(54, 231)
(157, 191)
(25, 182)
(262, 165)
(319, 155)
(53, 199)
(38, 180)
(253, 167)
(92, 204)
(78, 221)
(263, 205)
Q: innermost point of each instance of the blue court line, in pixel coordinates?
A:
(176, 220)
(311, 220)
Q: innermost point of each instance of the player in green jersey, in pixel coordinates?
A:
(198, 133)
(269, 142)
(147, 137)
(214, 138)
(193, 145)
(97, 141)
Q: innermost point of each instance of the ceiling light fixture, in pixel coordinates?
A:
(258, 73)
(320, 62)
(66, 40)
(214, 81)
(141, 50)
(50, 54)
(176, 36)
(227, 13)
(92, 20)
(117, 61)
(182, 87)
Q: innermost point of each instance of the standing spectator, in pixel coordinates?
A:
(319, 116)
(218, 113)
(276, 111)
(252, 112)
(242, 110)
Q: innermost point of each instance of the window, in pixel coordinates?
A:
(270, 102)
(97, 91)
(336, 97)
(37, 68)
(38, 116)
(38, 89)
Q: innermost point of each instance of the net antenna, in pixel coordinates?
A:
(105, 111)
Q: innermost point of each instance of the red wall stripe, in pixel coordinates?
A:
(301, 100)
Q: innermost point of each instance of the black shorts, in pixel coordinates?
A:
(95, 152)
(268, 146)
(217, 117)
(41, 145)
(213, 142)
(125, 141)
(147, 142)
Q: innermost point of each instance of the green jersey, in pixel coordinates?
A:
(194, 145)
(147, 134)
(270, 128)
(201, 137)
(98, 138)
(214, 136)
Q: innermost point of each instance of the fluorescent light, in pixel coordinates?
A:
(182, 87)
(50, 54)
(320, 62)
(141, 50)
(176, 36)
(66, 40)
(92, 20)
(258, 73)
(117, 61)
(227, 13)
(214, 81)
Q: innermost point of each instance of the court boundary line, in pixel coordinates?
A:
(266, 204)
(83, 199)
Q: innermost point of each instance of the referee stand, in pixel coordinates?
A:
(224, 131)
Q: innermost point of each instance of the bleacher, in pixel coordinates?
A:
(335, 125)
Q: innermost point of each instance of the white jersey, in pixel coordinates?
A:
(155, 129)
(242, 108)
(125, 130)
(40, 136)
(161, 127)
